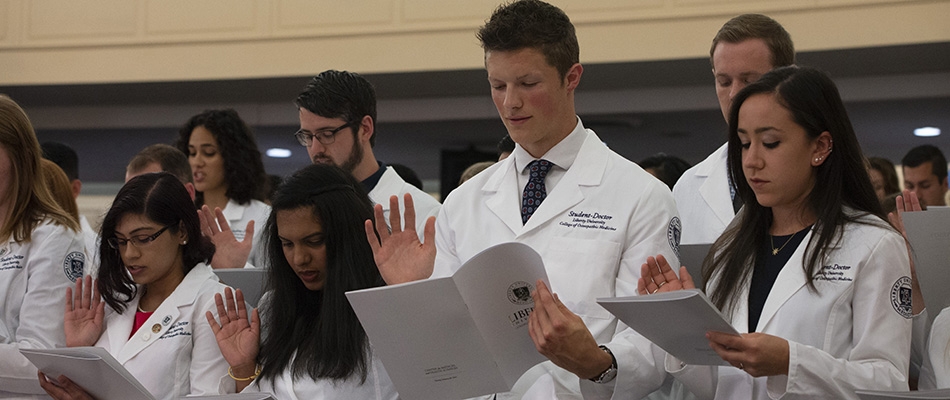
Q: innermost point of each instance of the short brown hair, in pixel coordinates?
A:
(758, 26)
(532, 24)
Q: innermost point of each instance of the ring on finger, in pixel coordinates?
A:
(660, 285)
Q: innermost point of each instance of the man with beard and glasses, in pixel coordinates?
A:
(338, 126)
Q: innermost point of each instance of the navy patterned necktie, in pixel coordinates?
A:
(534, 192)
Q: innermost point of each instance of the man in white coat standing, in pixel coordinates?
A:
(744, 49)
(337, 114)
(593, 216)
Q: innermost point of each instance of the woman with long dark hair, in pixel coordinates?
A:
(154, 278)
(809, 268)
(228, 173)
(308, 342)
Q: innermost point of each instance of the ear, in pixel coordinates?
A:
(190, 187)
(573, 76)
(823, 148)
(366, 128)
(76, 185)
(182, 233)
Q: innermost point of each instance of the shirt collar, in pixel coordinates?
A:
(370, 182)
(562, 154)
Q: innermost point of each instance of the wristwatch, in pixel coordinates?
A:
(611, 372)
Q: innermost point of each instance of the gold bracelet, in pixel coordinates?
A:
(257, 371)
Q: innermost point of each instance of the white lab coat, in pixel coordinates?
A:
(595, 228)
(853, 333)
(935, 372)
(174, 353)
(377, 386)
(703, 199)
(238, 215)
(285, 386)
(34, 276)
(391, 184)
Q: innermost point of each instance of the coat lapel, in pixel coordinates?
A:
(502, 195)
(165, 316)
(790, 280)
(587, 170)
(715, 188)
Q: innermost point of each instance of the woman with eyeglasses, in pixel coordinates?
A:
(155, 281)
(229, 175)
(41, 254)
(306, 342)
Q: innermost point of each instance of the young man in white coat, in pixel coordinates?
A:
(599, 217)
(338, 126)
(744, 49)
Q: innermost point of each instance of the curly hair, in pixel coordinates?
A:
(243, 169)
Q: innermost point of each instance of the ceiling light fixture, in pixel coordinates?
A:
(927, 131)
(277, 152)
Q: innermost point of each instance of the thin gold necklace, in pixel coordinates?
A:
(772, 242)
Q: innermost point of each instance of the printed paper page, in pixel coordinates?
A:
(424, 335)
(92, 368)
(497, 284)
(676, 321)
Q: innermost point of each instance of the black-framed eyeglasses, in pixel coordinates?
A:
(137, 241)
(324, 136)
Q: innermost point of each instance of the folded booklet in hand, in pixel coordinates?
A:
(676, 321)
(92, 368)
(461, 336)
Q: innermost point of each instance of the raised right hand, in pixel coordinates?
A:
(82, 320)
(656, 276)
(238, 339)
(399, 254)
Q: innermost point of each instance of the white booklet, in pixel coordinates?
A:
(942, 394)
(676, 321)
(929, 236)
(92, 368)
(461, 336)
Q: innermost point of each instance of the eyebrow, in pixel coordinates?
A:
(759, 130)
(134, 231)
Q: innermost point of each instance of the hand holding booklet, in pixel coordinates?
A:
(92, 368)
(676, 321)
(460, 336)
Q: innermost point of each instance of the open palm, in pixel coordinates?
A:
(399, 254)
(238, 339)
(82, 320)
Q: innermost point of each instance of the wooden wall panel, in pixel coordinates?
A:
(45, 42)
(196, 17)
(81, 20)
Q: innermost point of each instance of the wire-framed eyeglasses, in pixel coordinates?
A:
(324, 136)
(137, 241)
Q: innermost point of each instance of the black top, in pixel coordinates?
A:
(767, 268)
(370, 182)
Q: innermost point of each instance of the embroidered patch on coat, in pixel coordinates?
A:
(901, 297)
(673, 233)
(73, 265)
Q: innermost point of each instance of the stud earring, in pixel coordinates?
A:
(184, 242)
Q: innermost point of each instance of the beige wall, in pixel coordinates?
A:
(84, 41)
